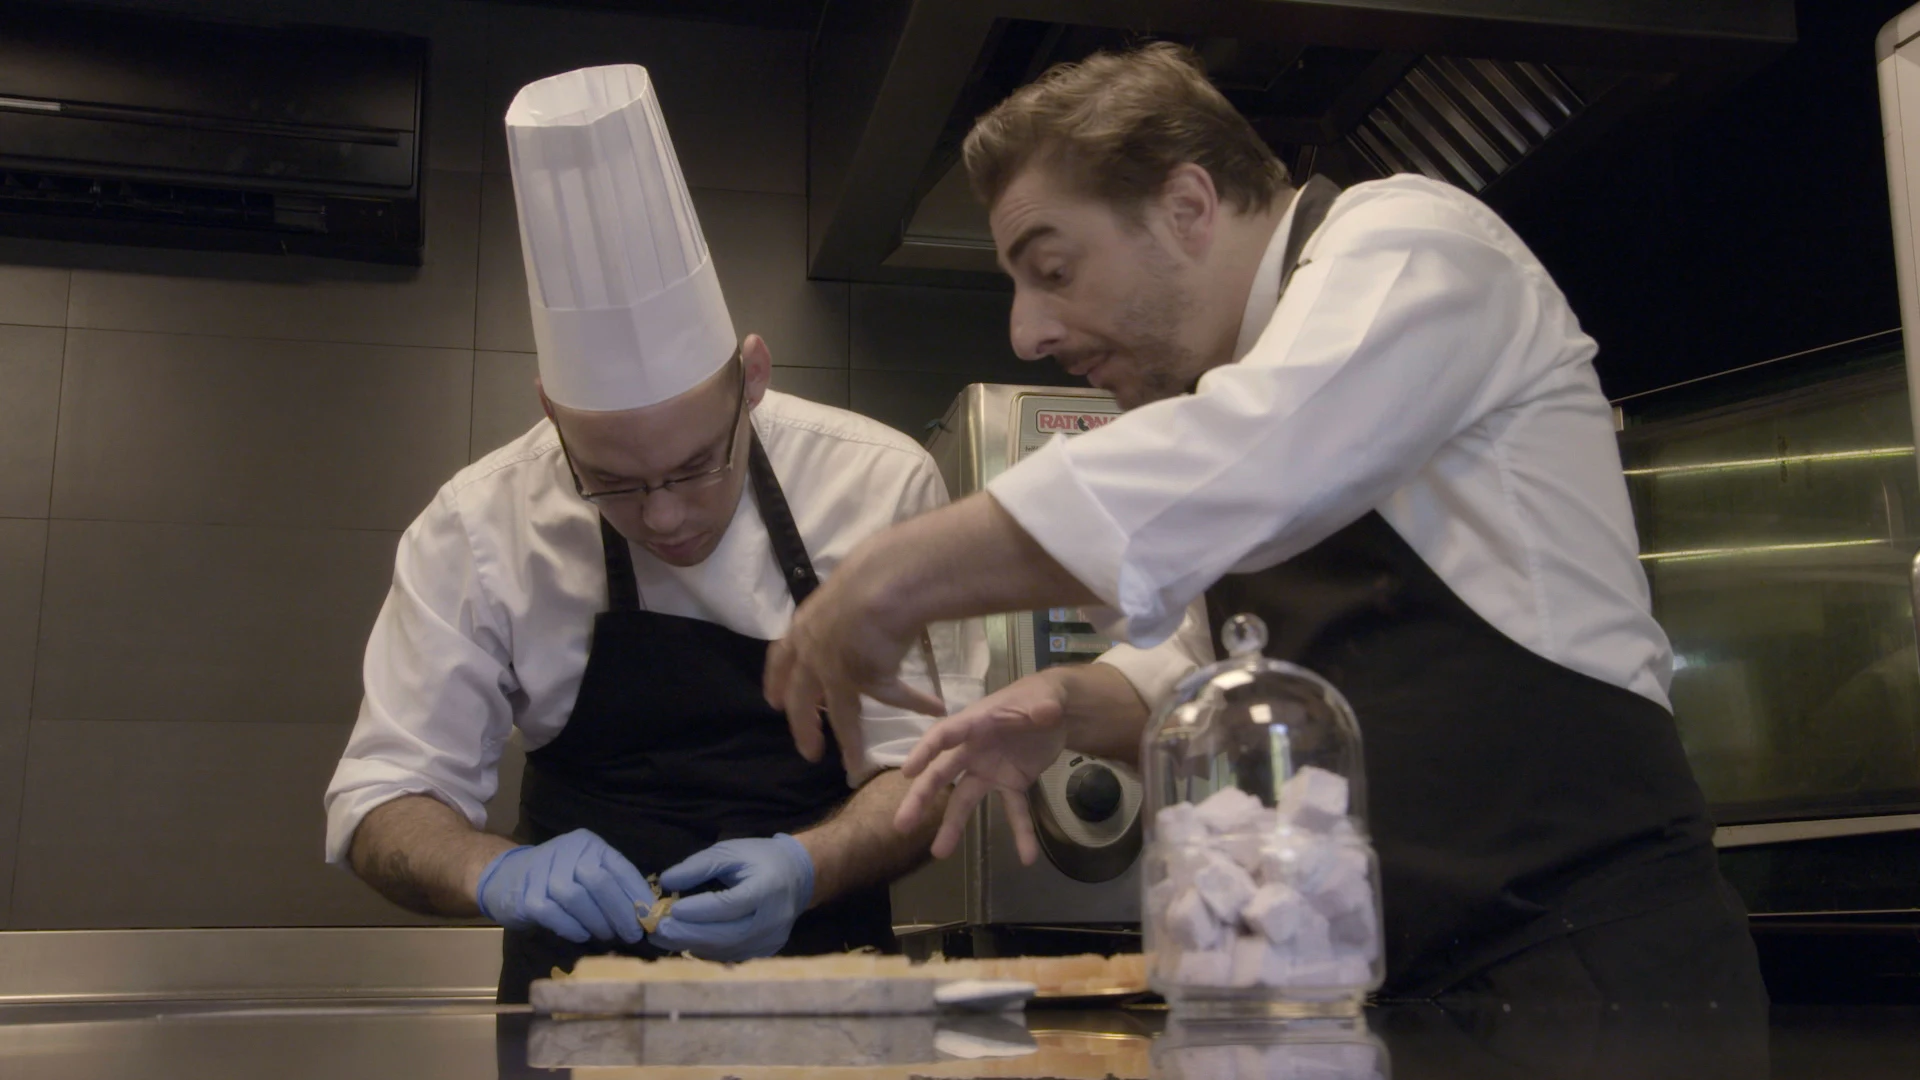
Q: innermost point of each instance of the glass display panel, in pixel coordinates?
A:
(1778, 534)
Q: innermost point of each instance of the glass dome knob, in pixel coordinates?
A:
(1244, 636)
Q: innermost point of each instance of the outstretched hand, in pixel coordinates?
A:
(1003, 741)
(837, 648)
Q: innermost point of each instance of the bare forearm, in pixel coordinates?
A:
(1103, 713)
(424, 856)
(970, 558)
(858, 846)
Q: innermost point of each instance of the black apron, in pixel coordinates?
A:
(671, 747)
(1512, 800)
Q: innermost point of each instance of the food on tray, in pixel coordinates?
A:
(651, 920)
(651, 915)
(1086, 975)
(1056, 976)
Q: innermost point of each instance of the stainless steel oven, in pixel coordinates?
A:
(1084, 893)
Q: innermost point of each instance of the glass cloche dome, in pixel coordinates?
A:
(1262, 890)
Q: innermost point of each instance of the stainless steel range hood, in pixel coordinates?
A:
(1492, 95)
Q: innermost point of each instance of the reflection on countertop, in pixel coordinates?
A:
(429, 1040)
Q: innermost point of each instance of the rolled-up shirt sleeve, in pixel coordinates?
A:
(1403, 326)
(436, 712)
(960, 659)
(1155, 671)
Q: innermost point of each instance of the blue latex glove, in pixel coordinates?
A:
(768, 884)
(575, 885)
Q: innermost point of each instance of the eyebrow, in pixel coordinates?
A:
(1020, 244)
(612, 476)
(686, 465)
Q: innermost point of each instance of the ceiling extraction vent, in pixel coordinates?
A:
(1464, 121)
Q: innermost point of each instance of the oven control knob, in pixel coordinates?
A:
(1093, 792)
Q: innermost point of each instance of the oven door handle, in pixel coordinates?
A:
(1913, 591)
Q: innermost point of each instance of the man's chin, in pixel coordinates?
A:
(691, 553)
(1131, 395)
(1104, 377)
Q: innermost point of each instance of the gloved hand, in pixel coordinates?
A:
(575, 885)
(768, 884)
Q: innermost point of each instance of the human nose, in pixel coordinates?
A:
(663, 510)
(1035, 332)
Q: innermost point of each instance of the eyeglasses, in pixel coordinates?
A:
(679, 484)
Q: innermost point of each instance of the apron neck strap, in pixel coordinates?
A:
(788, 548)
(1309, 210)
(623, 592)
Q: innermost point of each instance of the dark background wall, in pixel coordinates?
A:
(1756, 229)
(205, 460)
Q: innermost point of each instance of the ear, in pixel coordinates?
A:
(758, 362)
(1190, 207)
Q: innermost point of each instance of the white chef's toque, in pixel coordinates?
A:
(627, 309)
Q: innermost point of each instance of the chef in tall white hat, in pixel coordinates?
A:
(608, 583)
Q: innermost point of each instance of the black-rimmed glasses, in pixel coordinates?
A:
(679, 484)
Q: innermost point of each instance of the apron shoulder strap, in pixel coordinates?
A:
(788, 548)
(623, 592)
(1309, 210)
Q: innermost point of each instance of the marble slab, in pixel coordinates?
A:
(839, 1041)
(734, 997)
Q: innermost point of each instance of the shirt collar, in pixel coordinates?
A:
(1265, 295)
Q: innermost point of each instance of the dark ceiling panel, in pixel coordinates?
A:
(1348, 88)
(771, 14)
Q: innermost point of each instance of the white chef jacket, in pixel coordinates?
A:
(1421, 364)
(496, 585)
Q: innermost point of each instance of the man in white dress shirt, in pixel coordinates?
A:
(1371, 418)
(608, 584)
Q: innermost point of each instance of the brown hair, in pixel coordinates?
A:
(1116, 125)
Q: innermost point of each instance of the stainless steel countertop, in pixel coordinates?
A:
(370, 1004)
(461, 1040)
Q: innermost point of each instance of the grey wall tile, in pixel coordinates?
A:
(33, 295)
(734, 97)
(30, 371)
(828, 386)
(225, 295)
(909, 328)
(176, 427)
(203, 622)
(910, 401)
(505, 401)
(13, 773)
(182, 824)
(501, 323)
(759, 245)
(456, 86)
(23, 548)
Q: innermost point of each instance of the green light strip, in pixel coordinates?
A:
(1762, 549)
(1763, 463)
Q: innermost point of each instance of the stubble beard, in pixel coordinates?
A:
(1149, 325)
